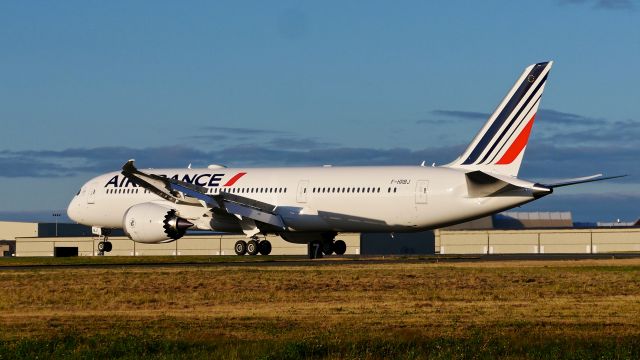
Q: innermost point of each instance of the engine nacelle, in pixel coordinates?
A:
(153, 223)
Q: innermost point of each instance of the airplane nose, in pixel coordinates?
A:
(72, 210)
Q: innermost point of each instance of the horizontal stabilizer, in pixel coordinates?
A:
(581, 180)
(481, 184)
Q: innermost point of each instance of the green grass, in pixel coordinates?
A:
(476, 346)
(585, 309)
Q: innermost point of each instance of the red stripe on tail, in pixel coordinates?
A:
(519, 144)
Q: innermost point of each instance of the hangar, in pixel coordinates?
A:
(505, 233)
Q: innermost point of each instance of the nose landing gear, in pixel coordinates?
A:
(103, 235)
(105, 246)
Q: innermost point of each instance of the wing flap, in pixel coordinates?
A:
(255, 214)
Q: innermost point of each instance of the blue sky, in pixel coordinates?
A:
(86, 85)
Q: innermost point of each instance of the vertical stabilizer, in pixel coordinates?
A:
(499, 146)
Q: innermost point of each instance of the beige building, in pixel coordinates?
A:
(9, 230)
(188, 245)
(540, 241)
(23, 239)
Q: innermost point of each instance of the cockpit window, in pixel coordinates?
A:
(78, 192)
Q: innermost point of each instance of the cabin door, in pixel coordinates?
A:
(422, 190)
(303, 186)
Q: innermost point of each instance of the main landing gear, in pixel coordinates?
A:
(253, 247)
(316, 249)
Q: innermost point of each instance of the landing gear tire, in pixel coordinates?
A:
(314, 250)
(252, 247)
(264, 247)
(327, 247)
(340, 247)
(240, 247)
(105, 246)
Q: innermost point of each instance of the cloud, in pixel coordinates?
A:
(217, 130)
(556, 117)
(69, 162)
(550, 116)
(602, 4)
(455, 115)
(298, 143)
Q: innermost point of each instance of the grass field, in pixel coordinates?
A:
(517, 309)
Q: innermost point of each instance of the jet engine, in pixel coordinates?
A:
(154, 223)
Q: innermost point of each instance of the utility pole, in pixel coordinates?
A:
(56, 215)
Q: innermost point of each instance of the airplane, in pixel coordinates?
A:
(312, 205)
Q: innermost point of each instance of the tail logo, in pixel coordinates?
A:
(508, 130)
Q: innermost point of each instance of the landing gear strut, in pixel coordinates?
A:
(252, 247)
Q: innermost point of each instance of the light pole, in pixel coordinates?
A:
(56, 215)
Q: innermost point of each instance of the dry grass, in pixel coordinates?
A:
(535, 302)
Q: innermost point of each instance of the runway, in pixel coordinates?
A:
(303, 261)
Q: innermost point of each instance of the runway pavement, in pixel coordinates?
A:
(303, 261)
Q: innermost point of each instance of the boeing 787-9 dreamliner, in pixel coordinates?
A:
(311, 205)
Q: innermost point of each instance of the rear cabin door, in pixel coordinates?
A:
(422, 190)
(301, 196)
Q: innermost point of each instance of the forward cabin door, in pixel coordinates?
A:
(422, 190)
(303, 186)
(91, 198)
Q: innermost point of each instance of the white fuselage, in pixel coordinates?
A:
(309, 199)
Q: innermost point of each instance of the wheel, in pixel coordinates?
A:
(314, 250)
(240, 247)
(108, 246)
(264, 247)
(327, 248)
(340, 247)
(101, 246)
(252, 247)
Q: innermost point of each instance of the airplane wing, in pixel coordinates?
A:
(181, 192)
